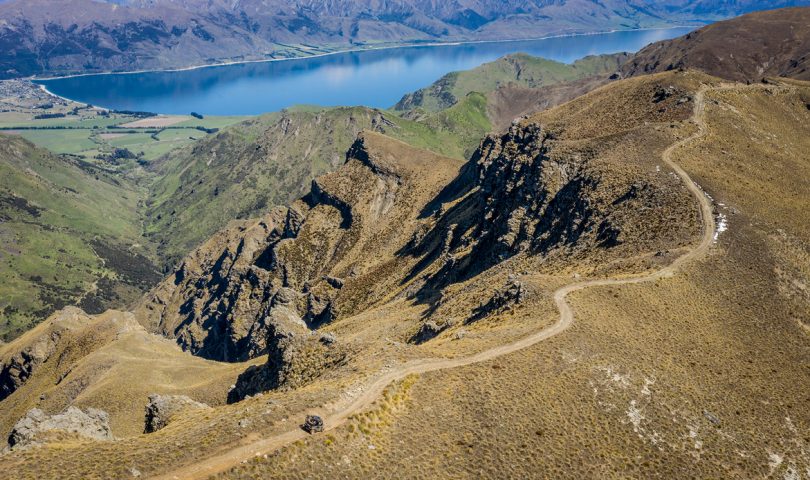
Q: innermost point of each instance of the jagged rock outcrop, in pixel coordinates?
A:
(517, 197)
(161, 409)
(37, 426)
(505, 298)
(429, 330)
(21, 365)
(109, 361)
(552, 193)
(330, 254)
(296, 357)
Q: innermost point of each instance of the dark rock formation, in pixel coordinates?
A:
(18, 368)
(523, 200)
(259, 287)
(506, 298)
(296, 357)
(428, 331)
(18, 364)
(161, 409)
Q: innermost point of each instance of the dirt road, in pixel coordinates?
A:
(234, 457)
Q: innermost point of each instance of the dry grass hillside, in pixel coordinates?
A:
(401, 260)
(747, 48)
(615, 287)
(700, 375)
(108, 362)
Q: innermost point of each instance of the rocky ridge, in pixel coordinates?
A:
(396, 222)
(17, 365)
(300, 268)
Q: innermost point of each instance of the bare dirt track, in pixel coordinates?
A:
(374, 390)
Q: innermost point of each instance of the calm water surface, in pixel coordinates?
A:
(372, 78)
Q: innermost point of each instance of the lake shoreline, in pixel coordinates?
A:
(36, 79)
(376, 77)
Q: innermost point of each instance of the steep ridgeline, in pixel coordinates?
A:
(329, 254)
(560, 186)
(397, 223)
(244, 170)
(774, 43)
(105, 361)
(693, 368)
(82, 36)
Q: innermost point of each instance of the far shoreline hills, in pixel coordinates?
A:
(34, 78)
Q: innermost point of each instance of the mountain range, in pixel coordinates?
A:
(56, 37)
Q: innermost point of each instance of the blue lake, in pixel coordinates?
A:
(375, 78)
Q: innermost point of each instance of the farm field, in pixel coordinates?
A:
(66, 127)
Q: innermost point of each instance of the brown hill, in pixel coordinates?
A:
(694, 375)
(108, 362)
(615, 287)
(748, 48)
(401, 260)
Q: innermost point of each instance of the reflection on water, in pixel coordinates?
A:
(374, 78)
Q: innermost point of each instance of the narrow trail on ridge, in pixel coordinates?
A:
(233, 457)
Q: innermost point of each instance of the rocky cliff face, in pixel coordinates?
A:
(21, 365)
(21, 359)
(529, 193)
(243, 171)
(297, 269)
(162, 409)
(297, 356)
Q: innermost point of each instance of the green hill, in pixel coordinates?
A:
(69, 233)
(519, 69)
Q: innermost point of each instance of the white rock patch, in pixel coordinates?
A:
(722, 226)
